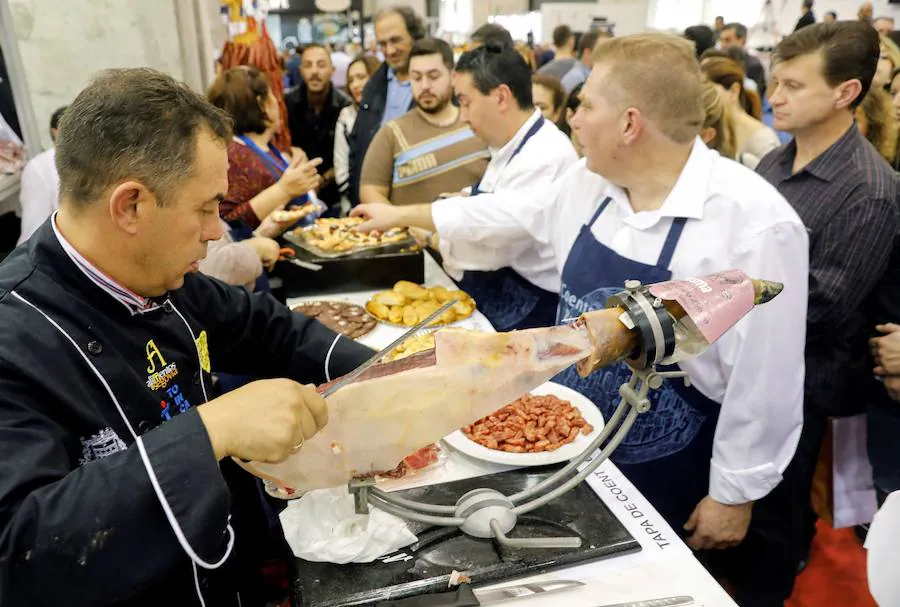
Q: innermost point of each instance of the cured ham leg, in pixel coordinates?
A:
(396, 408)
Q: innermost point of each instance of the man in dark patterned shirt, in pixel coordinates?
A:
(846, 194)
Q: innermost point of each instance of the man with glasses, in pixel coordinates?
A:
(388, 95)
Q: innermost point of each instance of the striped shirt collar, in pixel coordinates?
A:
(828, 165)
(134, 303)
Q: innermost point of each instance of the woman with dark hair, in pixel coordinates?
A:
(358, 73)
(261, 178)
(548, 94)
(262, 181)
(565, 119)
(753, 139)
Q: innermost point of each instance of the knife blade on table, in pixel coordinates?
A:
(465, 596)
(669, 601)
(384, 351)
(308, 265)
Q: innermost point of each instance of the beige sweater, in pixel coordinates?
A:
(234, 263)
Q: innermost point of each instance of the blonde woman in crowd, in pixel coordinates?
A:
(877, 122)
(887, 62)
(527, 54)
(718, 127)
(752, 138)
(894, 90)
(565, 120)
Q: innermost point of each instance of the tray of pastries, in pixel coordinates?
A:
(408, 303)
(345, 318)
(334, 237)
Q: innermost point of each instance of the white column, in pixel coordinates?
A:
(62, 44)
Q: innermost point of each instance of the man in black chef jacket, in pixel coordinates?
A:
(113, 457)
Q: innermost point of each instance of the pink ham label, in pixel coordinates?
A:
(715, 302)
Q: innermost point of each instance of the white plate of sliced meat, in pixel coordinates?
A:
(551, 424)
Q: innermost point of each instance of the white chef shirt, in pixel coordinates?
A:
(39, 192)
(755, 370)
(543, 159)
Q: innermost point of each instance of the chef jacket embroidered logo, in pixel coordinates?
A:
(157, 380)
(160, 380)
(100, 445)
(154, 355)
(178, 404)
(203, 351)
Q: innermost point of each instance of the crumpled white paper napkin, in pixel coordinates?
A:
(322, 526)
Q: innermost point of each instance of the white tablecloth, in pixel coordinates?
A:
(664, 567)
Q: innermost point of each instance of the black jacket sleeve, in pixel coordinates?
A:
(97, 531)
(367, 124)
(253, 334)
(806, 19)
(293, 101)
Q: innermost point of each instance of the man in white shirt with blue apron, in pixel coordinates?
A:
(493, 87)
(651, 202)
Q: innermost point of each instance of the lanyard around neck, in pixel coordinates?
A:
(274, 161)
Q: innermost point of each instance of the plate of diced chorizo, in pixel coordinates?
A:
(549, 425)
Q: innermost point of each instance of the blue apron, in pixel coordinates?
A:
(503, 296)
(667, 453)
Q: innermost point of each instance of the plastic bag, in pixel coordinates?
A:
(323, 527)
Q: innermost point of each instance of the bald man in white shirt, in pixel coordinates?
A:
(493, 87)
(651, 202)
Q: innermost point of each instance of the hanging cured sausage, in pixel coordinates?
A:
(251, 45)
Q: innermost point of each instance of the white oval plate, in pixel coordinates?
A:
(591, 413)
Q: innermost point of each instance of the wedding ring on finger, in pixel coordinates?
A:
(298, 446)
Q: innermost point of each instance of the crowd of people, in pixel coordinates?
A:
(543, 181)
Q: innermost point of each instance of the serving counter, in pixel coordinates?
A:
(663, 566)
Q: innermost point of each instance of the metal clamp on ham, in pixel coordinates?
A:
(648, 318)
(392, 409)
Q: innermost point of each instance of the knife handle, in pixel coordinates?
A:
(461, 597)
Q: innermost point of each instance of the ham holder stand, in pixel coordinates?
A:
(488, 513)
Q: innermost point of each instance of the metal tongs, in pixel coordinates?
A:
(384, 351)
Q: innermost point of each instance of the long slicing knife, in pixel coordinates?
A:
(381, 354)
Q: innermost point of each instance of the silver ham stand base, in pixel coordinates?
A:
(487, 513)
